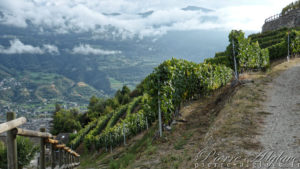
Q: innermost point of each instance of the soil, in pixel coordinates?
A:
(281, 132)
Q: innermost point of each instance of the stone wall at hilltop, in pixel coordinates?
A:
(289, 20)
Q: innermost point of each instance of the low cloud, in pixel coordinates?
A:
(17, 47)
(67, 16)
(85, 49)
(51, 49)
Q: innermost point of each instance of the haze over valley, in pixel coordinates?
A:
(65, 52)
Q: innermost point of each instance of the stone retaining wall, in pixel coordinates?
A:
(289, 20)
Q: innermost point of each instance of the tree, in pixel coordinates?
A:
(65, 121)
(125, 99)
(57, 107)
(123, 96)
(113, 103)
(125, 90)
(119, 96)
(93, 101)
(26, 151)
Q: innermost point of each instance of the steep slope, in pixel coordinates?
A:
(229, 123)
(26, 91)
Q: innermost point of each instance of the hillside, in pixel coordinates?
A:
(39, 92)
(232, 122)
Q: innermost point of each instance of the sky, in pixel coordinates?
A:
(73, 16)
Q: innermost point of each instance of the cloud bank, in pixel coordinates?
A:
(17, 47)
(50, 49)
(85, 49)
(67, 16)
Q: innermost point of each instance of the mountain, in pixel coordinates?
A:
(146, 14)
(27, 90)
(112, 14)
(196, 8)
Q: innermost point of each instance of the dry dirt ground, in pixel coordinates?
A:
(281, 133)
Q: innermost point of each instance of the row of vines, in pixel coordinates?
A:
(176, 81)
(94, 128)
(277, 42)
(291, 6)
(248, 53)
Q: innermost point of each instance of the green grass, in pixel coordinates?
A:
(42, 78)
(94, 160)
(182, 141)
(115, 84)
(87, 160)
(131, 154)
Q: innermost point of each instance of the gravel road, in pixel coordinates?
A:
(281, 133)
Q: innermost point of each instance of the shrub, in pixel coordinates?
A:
(26, 151)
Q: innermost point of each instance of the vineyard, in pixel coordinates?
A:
(277, 42)
(175, 81)
(256, 51)
(249, 55)
(291, 6)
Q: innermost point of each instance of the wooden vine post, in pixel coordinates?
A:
(124, 137)
(288, 55)
(159, 116)
(234, 60)
(110, 143)
(147, 126)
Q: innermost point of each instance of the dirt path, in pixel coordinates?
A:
(281, 132)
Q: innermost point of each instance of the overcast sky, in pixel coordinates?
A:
(64, 16)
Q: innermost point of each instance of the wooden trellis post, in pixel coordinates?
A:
(110, 143)
(124, 134)
(159, 116)
(147, 123)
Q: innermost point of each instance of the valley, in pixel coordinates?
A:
(43, 77)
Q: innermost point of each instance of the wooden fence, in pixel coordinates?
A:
(273, 18)
(61, 155)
